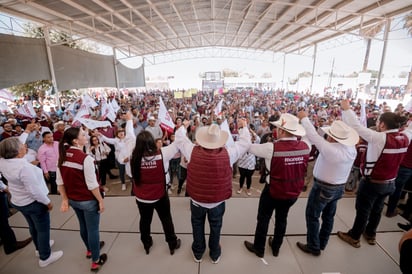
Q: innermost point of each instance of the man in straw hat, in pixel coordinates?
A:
(286, 160)
(386, 150)
(209, 180)
(331, 171)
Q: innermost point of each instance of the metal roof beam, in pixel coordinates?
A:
(340, 21)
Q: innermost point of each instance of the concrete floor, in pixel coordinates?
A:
(119, 229)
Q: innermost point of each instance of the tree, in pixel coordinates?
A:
(408, 27)
(230, 73)
(37, 89)
(368, 33)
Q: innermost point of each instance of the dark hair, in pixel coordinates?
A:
(66, 141)
(391, 120)
(145, 146)
(45, 133)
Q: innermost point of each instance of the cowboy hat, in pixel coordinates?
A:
(342, 133)
(290, 123)
(211, 137)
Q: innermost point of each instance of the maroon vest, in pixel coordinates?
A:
(361, 149)
(209, 175)
(407, 161)
(387, 165)
(152, 182)
(288, 168)
(73, 176)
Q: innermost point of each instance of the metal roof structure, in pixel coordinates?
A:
(143, 27)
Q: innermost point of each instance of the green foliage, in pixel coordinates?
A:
(36, 88)
(305, 74)
(39, 88)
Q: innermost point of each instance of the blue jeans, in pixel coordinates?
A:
(215, 218)
(38, 218)
(369, 206)
(122, 172)
(267, 205)
(322, 199)
(89, 218)
(404, 175)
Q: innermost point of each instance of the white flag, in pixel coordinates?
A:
(218, 108)
(107, 111)
(92, 124)
(363, 115)
(115, 106)
(27, 110)
(88, 101)
(166, 121)
(5, 94)
(83, 112)
(225, 127)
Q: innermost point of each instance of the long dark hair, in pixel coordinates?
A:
(66, 141)
(145, 146)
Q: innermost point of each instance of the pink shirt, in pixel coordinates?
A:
(48, 156)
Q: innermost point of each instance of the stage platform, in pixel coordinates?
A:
(119, 229)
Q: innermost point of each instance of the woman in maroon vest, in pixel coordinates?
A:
(148, 167)
(79, 188)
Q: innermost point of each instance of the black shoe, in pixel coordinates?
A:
(113, 177)
(147, 247)
(304, 188)
(97, 265)
(249, 246)
(405, 227)
(178, 243)
(275, 251)
(19, 245)
(306, 249)
(22, 244)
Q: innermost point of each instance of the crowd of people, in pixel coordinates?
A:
(354, 146)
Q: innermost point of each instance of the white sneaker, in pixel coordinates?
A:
(54, 256)
(123, 187)
(239, 191)
(51, 243)
(216, 261)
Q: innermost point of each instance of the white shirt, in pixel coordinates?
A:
(376, 140)
(122, 146)
(25, 182)
(88, 170)
(334, 161)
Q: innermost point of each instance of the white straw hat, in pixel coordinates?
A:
(211, 137)
(342, 133)
(290, 123)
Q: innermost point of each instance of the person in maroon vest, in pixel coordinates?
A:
(209, 180)
(386, 149)
(79, 187)
(149, 167)
(404, 176)
(286, 159)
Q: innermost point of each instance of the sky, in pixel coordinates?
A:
(347, 58)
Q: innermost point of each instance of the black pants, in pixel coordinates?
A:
(162, 208)
(52, 182)
(6, 233)
(245, 174)
(104, 169)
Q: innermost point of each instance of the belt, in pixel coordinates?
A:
(327, 184)
(379, 181)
